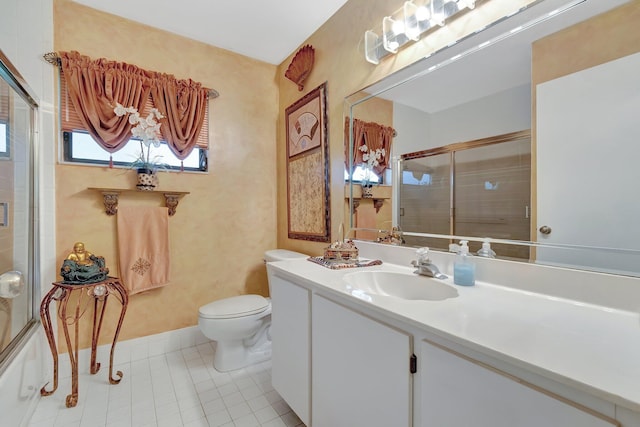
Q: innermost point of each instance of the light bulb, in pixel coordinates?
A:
(471, 4)
(437, 19)
(397, 27)
(422, 13)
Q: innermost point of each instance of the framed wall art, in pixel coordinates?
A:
(308, 167)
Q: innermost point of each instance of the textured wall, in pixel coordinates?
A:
(222, 228)
(339, 60)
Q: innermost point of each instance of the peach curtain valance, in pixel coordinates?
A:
(372, 134)
(95, 86)
(184, 104)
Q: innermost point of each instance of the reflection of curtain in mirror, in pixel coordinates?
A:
(372, 134)
(5, 322)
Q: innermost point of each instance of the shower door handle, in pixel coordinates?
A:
(545, 229)
(11, 284)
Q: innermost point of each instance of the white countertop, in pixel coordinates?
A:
(592, 348)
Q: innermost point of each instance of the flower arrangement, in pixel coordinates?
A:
(146, 129)
(371, 159)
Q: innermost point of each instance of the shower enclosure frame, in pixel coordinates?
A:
(14, 79)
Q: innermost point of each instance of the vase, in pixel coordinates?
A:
(147, 180)
(367, 191)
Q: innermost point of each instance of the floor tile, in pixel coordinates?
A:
(175, 389)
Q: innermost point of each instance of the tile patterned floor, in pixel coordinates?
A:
(177, 389)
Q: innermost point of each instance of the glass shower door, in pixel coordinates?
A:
(425, 199)
(492, 194)
(17, 224)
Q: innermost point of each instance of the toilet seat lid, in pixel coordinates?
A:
(240, 306)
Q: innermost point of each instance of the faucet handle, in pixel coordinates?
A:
(423, 254)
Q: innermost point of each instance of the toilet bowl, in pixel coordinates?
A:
(240, 324)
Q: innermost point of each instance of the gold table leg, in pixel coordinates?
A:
(48, 329)
(124, 302)
(72, 399)
(100, 293)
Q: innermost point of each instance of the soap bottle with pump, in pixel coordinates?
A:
(464, 269)
(486, 250)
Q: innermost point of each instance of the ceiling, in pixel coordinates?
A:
(267, 30)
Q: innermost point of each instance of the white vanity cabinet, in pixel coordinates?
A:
(341, 361)
(360, 369)
(291, 335)
(458, 391)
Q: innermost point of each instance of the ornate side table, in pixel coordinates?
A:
(98, 292)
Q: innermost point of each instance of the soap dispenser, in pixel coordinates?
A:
(464, 269)
(486, 250)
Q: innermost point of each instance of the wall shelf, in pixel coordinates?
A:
(111, 196)
(380, 194)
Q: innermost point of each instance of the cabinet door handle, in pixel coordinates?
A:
(413, 364)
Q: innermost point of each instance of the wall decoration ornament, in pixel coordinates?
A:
(308, 211)
(301, 66)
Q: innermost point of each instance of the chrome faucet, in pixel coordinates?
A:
(424, 265)
(392, 237)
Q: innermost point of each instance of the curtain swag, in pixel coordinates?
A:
(95, 86)
(373, 135)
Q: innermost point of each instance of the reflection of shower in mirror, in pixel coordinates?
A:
(5, 322)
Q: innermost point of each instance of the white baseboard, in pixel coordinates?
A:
(135, 349)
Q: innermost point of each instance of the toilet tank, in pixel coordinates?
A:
(282, 254)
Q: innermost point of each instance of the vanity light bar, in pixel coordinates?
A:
(373, 53)
(408, 24)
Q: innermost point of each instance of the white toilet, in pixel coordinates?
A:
(240, 325)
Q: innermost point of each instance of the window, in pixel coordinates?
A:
(358, 176)
(4, 140)
(81, 148)
(79, 142)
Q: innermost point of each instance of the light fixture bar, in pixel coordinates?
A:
(409, 23)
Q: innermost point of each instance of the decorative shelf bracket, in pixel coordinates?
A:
(111, 195)
(356, 204)
(377, 203)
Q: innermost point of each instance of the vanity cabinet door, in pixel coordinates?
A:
(457, 391)
(360, 369)
(290, 335)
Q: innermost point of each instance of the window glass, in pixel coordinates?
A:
(358, 175)
(4, 148)
(80, 147)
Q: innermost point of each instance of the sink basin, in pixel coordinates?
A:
(398, 285)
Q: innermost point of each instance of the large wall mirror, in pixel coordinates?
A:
(19, 287)
(556, 87)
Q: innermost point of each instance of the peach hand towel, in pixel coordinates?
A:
(143, 247)
(366, 218)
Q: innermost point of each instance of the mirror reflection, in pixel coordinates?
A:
(565, 86)
(478, 188)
